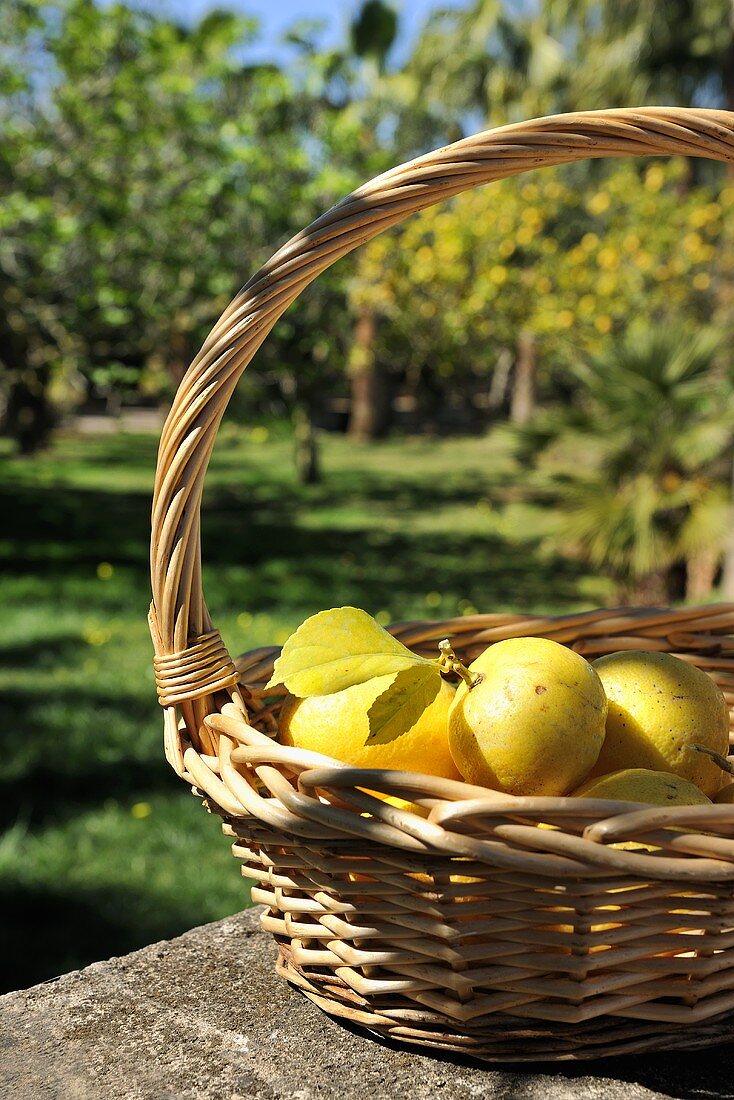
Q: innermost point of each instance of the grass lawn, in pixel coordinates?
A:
(104, 849)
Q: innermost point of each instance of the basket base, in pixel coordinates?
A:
(503, 1038)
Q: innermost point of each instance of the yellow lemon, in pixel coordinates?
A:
(643, 785)
(338, 725)
(533, 724)
(659, 706)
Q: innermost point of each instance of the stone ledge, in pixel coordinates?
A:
(204, 1016)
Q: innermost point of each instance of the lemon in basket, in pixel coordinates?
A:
(659, 708)
(358, 694)
(338, 725)
(643, 785)
(529, 718)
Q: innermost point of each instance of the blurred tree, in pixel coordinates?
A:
(127, 168)
(362, 116)
(460, 287)
(491, 62)
(494, 61)
(486, 65)
(134, 151)
(32, 340)
(648, 51)
(373, 34)
(373, 31)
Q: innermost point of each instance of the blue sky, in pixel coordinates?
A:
(276, 16)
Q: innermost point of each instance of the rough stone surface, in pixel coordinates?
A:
(204, 1016)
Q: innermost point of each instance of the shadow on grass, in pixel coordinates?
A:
(59, 649)
(260, 558)
(52, 931)
(54, 776)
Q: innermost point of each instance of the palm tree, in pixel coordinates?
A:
(646, 487)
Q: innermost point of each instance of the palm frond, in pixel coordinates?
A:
(622, 528)
(707, 523)
(643, 465)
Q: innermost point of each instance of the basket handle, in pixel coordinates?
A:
(191, 660)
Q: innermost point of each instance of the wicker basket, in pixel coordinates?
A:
(561, 944)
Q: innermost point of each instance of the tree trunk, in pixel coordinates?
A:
(113, 402)
(28, 416)
(700, 575)
(368, 416)
(307, 456)
(26, 413)
(178, 358)
(500, 380)
(648, 591)
(522, 405)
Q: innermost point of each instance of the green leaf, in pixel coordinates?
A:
(401, 704)
(337, 649)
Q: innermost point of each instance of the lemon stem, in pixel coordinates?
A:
(449, 662)
(724, 764)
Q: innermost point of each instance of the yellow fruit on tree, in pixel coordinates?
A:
(643, 785)
(338, 725)
(533, 721)
(659, 707)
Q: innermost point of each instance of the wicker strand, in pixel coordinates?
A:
(196, 672)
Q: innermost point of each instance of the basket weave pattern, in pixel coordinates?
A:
(472, 929)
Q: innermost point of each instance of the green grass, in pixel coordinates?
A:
(104, 848)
